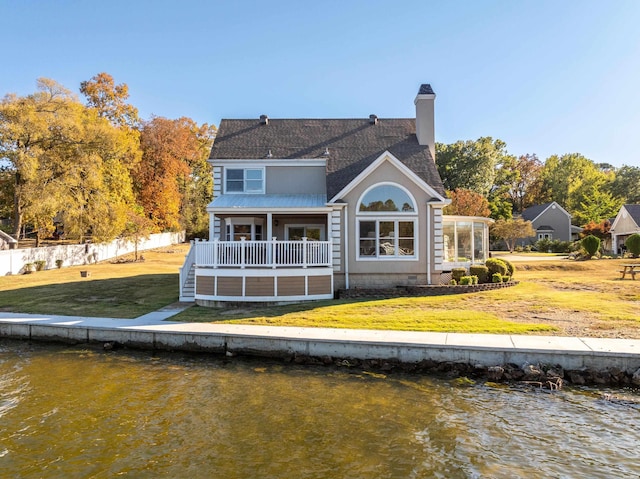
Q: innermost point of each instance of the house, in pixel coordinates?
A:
(627, 222)
(550, 221)
(7, 241)
(304, 207)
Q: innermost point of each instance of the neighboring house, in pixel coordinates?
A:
(550, 221)
(7, 241)
(627, 222)
(303, 207)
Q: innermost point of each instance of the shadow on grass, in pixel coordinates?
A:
(127, 297)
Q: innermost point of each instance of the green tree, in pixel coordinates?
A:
(512, 230)
(470, 165)
(626, 184)
(597, 205)
(571, 179)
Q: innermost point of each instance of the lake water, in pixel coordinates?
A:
(74, 412)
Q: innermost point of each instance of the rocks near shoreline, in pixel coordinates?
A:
(543, 376)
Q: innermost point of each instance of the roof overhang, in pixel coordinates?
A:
(261, 163)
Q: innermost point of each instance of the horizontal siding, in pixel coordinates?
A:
(205, 285)
(229, 286)
(293, 286)
(259, 286)
(320, 284)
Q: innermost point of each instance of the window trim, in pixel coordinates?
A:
(305, 226)
(244, 180)
(387, 183)
(396, 221)
(390, 216)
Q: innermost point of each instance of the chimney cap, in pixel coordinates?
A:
(425, 89)
(373, 119)
(264, 119)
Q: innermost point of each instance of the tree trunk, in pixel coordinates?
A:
(17, 209)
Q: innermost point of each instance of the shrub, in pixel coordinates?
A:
(495, 265)
(474, 279)
(510, 267)
(29, 268)
(59, 263)
(466, 280)
(543, 245)
(40, 264)
(591, 244)
(553, 246)
(457, 273)
(633, 244)
(481, 272)
(453, 282)
(505, 279)
(496, 278)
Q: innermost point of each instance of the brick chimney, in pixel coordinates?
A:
(425, 123)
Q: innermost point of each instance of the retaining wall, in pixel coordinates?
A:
(373, 349)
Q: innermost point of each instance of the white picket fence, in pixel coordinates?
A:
(12, 261)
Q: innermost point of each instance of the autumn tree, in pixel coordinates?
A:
(467, 203)
(600, 230)
(64, 159)
(110, 100)
(524, 185)
(171, 179)
(137, 227)
(32, 128)
(512, 230)
(197, 187)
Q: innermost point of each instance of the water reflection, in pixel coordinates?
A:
(73, 412)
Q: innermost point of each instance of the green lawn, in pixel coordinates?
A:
(590, 290)
(443, 314)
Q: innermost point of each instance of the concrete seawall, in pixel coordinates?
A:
(404, 347)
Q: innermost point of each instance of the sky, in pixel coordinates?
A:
(546, 77)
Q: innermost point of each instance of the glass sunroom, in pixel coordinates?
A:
(465, 240)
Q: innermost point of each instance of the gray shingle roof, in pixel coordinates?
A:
(634, 212)
(353, 144)
(532, 212)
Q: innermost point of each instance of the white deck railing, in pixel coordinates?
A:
(263, 254)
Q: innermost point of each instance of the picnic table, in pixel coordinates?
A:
(631, 269)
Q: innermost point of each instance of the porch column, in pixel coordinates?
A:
(269, 225)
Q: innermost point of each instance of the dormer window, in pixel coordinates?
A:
(244, 180)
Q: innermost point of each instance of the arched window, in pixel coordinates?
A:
(387, 223)
(387, 197)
